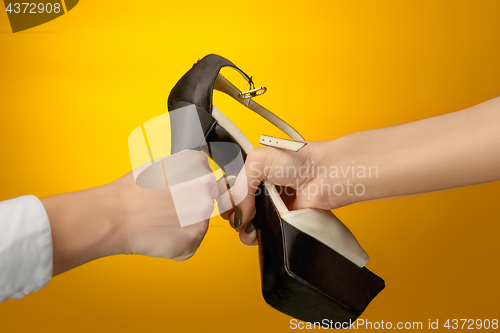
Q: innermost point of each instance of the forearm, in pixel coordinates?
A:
(456, 149)
(83, 227)
(123, 218)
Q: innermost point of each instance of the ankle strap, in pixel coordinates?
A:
(271, 141)
(196, 87)
(223, 85)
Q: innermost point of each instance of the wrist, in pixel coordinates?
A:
(114, 211)
(82, 227)
(353, 171)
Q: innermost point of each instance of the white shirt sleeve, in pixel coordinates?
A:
(25, 247)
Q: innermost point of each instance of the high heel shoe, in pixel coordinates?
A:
(312, 267)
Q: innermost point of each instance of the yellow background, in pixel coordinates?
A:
(73, 89)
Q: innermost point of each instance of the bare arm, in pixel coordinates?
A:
(451, 150)
(118, 218)
(123, 218)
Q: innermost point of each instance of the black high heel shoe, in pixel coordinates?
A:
(312, 266)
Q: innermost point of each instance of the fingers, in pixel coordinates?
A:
(248, 235)
(238, 196)
(238, 204)
(257, 169)
(225, 201)
(239, 220)
(247, 184)
(193, 235)
(184, 258)
(224, 182)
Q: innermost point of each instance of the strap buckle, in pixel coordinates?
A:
(252, 93)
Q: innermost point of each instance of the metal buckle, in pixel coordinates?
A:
(252, 93)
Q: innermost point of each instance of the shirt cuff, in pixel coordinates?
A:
(25, 247)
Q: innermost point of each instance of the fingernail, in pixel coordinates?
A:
(231, 182)
(237, 217)
(249, 228)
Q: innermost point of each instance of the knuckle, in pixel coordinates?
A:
(207, 207)
(256, 155)
(196, 236)
(206, 181)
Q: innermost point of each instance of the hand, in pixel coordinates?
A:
(305, 179)
(123, 218)
(451, 150)
(149, 223)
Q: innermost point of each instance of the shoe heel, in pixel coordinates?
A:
(329, 287)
